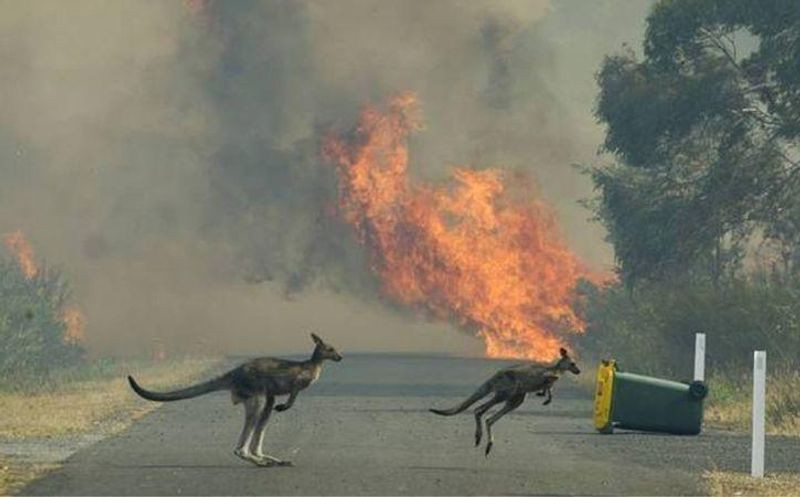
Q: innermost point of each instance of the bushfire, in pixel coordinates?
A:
(71, 316)
(18, 245)
(481, 250)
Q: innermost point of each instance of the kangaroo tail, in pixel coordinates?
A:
(480, 393)
(220, 383)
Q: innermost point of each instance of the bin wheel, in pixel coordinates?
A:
(698, 390)
(607, 430)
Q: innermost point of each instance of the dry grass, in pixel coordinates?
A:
(14, 476)
(729, 405)
(98, 405)
(81, 406)
(739, 484)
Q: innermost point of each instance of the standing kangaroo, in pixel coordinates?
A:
(247, 383)
(510, 385)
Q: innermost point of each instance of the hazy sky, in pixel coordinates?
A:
(165, 154)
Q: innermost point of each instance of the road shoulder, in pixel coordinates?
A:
(39, 430)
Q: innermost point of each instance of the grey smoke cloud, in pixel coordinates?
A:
(166, 154)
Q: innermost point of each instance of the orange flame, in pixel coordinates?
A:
(18, 245)
(475, 250)
(73, 319)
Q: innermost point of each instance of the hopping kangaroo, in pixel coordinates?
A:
(510, 385)
(247, 383)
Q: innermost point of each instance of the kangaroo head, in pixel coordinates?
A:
(324, 351)
(566, 363)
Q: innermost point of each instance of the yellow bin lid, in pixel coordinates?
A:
(602, 397)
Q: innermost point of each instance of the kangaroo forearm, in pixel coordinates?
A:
(549, 393)
(289, 402)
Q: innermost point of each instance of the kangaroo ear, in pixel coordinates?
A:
(316, 339)
(563, 352)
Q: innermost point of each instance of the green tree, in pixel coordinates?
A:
(705, 129)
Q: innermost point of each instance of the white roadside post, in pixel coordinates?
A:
(759, 398)
(700, 356)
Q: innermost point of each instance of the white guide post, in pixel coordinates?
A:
(700, 356)
(759, 398)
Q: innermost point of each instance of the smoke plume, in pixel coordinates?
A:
(166, 155)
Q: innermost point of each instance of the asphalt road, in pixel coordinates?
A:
(364, 429)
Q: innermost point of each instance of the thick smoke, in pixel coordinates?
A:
(307, 66)
(166, 154)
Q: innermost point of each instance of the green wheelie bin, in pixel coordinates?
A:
(636, 402)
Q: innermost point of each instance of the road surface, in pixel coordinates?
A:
(364, 429)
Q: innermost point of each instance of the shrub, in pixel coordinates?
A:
(651, 329)
(31, 327)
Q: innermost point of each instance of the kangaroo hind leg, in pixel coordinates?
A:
(511, 404)
(480, 411)
(257, 442)
(250, 412)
